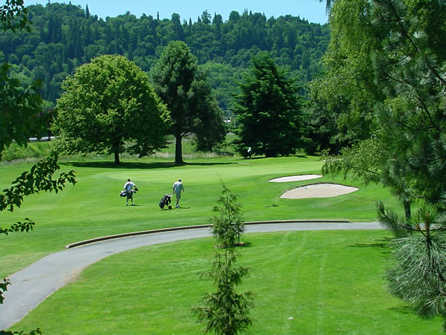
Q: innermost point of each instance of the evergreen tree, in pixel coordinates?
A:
(227, 225)
(185, 91)
(268, 110)
(226, 312)
(396, 44)
(418, 271)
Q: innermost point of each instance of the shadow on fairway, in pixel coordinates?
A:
(134, 165)
(381, 243)
(264, 157)
(407, 310)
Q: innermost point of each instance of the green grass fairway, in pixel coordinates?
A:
(305, 283)
(93, 207)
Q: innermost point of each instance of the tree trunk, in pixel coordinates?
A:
(406, 204)
(117, 161)
(178, 150)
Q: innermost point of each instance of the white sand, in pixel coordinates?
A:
(295, 178)
(318, 191)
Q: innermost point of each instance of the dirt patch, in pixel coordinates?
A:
(318, 191)
(295, 178)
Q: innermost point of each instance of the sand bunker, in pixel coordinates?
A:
(318, 191)
(295, 178)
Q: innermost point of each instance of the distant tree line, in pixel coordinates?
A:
(64, 36)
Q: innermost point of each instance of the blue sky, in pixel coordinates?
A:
(312, 10)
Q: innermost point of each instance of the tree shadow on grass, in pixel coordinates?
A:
(264, 157)
(379, 243)
(383, 243)
(407, 310)
(137, 165)
(207, 164)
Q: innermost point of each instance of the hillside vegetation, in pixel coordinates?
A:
(64, 36)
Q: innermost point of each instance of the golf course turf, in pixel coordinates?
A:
(303, 282)
(93, 208)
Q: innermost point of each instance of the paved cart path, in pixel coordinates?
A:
(32, 285)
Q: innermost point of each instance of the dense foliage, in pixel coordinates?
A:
(20, 102)
(18, 105)
(387, 61)
(13, 15)
(109, 104)
(185, 91)
(268, 110)
(66, 36)
(20, 109)
(399, 74)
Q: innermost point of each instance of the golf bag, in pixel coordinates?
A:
(165, 201)
(124, 193)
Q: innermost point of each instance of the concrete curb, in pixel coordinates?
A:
(161, 230)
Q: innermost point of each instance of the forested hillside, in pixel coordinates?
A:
(65, 36)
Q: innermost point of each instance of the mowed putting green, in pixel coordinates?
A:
(304, 283)
(93, 207)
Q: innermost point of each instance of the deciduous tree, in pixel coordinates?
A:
(14, 15)
(109, 104)
(20, 103)
(20, 106)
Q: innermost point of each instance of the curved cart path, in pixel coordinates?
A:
(30, 286)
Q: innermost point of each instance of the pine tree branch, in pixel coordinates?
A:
(404, 32)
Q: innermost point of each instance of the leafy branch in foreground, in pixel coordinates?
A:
(18, 105)
(41, 177)
(26, 226)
